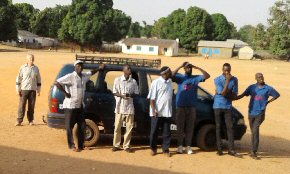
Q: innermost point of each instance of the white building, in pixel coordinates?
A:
(150, 46)
(246, 53)
(46, 41)
(26, 36)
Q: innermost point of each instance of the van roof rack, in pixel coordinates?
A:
(149, 63)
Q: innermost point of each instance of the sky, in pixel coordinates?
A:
(240, 12)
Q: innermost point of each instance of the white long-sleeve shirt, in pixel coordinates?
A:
(28, 78)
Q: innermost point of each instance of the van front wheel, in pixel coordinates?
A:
(92, 133)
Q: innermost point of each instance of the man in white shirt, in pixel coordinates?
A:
(73, 86)
(125, 89)
(28, 83)
(160, 96)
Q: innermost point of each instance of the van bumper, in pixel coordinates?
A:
(56, 120)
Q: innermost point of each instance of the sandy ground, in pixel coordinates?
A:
(40, 149)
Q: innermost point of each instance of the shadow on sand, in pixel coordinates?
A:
(22, 161)
(9, 50)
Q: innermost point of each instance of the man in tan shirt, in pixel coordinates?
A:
(125, 89)
(28, 83)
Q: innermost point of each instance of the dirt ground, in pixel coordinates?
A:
(39, 149)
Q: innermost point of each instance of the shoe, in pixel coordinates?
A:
(180, 150)
(254, 155)
(153, 152)
(18, 124)
(129, 150)
(167, 153)
(85, 148)
(31, 123)
(234, 154)
(219, 153)
(114, 149)
(75, 149)
(189, 150)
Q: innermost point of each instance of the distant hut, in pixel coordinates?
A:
(246, 53)
(215, 49)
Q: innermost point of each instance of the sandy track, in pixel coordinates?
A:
(40, 149)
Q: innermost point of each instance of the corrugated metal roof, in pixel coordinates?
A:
(217, 44)
(238, 43)
(24, 33)
(153, 42)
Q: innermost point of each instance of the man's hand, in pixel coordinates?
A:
(19, 93)
(228, 77)
(155, 113)
(67, 95)
(102, 66)
(183, 64)
(38, 93)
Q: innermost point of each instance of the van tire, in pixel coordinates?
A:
(92, 134)
(206, 137)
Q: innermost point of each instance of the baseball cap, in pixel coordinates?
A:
(78, 62)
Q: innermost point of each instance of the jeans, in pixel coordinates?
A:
(164, 123)
(73, 116)
(229, 124)
(185, 117)
(255, 123)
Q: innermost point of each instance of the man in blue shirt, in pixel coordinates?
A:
(259, 92)
(186, 99)
(226, 89)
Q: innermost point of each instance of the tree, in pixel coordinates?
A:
(117, 25)
(247, 33)
(85, 21)
(135, 30)
(260, 41)
(234, 34)
(8, 30)
(24, 16)
(173, 25)
(146, 30)
(48, 22)
(279, 29)
(197, 25)
(158, 29)
(221, 27)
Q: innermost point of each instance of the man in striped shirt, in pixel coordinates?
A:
(160, 96)
(28, 83)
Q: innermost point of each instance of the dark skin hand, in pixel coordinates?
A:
(188, 70)
(227, 74)
(152, 104)
(127, 72)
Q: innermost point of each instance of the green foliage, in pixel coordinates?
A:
(197, 25)
(159, 27)
(279, 29)
(85, 22)
(247, 34)
(8, 30)
(146, 30)
(25, 14)
(173, 25)
(221, 27)
(234, 34)
(117, 25)
(260, 41)
(135, 30)
(48, 22)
